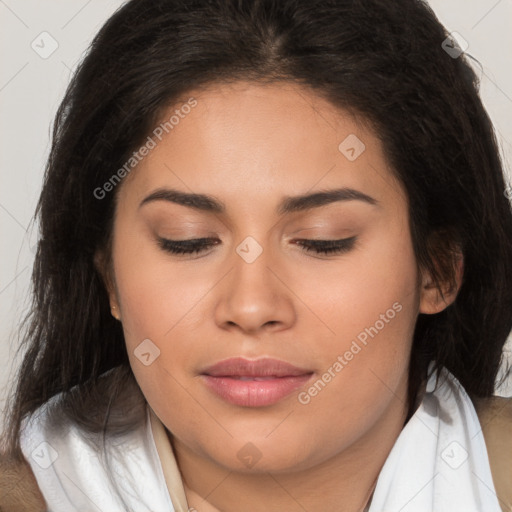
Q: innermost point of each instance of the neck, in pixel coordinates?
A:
(347, 478)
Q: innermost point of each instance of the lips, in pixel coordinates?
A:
(254, 383)
(260, 368)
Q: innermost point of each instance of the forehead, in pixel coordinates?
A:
(243, 140)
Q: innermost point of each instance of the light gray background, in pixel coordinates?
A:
(31, 88)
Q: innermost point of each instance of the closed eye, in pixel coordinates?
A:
(328, 246)
(198, 245)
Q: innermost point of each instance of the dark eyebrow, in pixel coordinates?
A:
(321, 198)
(289, 204)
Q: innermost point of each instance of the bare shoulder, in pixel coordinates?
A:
(19, 491)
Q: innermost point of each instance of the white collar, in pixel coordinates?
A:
(439, 461)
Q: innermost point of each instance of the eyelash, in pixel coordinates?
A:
(196, 245)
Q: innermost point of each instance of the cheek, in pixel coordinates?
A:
(378, 278)
(370, 305)
(153, 293)
(157, 303)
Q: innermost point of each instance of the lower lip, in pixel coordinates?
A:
(253, 393)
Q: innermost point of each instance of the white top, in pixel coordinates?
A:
(439, 463)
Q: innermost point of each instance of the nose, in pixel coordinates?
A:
(255, 297)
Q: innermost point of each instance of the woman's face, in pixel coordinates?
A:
(345, 319)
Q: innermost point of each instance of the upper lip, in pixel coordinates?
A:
(265, 367)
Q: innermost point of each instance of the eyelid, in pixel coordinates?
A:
(315, 246)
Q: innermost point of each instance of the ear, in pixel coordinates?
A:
(433, 299)
(106, 273)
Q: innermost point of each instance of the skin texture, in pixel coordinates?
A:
(249, 145)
